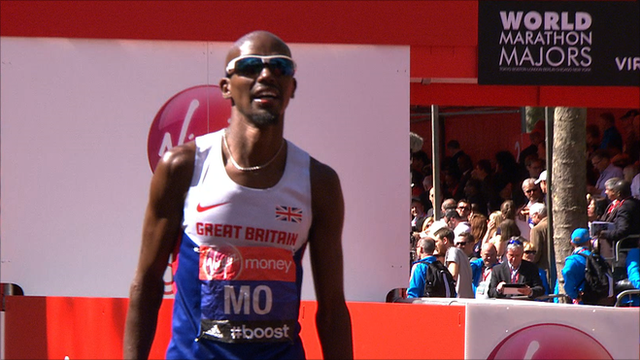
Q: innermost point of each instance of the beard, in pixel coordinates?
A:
(264, 119)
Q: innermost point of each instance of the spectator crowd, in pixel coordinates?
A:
(492, 232)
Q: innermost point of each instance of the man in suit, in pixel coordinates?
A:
(612, 200)
(515, 271)
(626, 212)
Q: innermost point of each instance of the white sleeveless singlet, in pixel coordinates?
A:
(239, 271)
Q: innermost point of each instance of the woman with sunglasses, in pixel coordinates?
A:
(530, 252)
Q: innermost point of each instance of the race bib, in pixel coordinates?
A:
(248, 294)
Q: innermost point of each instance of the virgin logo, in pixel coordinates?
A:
(190, 113)
(549, 341)
(220, 263)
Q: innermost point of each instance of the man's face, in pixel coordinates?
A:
(441, 245)
(543, 186)
(611, 195)
(529, 255)
(463, 209)
(514, 256)
(532, 191)
(599, 163)
(535, 168)
(489, 256)
(416, 208)
(464, 245)
(418, 251)
(478, 173)
(261, 98)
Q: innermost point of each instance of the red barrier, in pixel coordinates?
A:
(80, 328)
(92, 328)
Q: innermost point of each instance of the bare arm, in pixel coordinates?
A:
(160, 232)
(325, 249)
(453, 269)
(491, 227)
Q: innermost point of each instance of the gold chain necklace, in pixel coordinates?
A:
(251, 168)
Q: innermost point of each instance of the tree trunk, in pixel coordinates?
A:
(568, 182)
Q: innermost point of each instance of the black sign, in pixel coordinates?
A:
(559, 43)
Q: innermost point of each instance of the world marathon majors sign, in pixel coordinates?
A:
(559, 43)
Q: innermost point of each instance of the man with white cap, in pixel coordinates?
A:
(542, 181)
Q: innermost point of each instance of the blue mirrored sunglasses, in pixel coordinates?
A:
(252, 65)
(515, 241)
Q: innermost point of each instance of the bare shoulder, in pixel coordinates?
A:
(326, 191)
(326, 201)
(178, 159)
(173, 174)
(323, 177)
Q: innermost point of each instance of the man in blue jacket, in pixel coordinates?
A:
(574, 265)
(424, 252)
(482, 268)
(633, 275)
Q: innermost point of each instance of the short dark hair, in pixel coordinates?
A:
(428, 245)
(445, 233)
(601, 153)
(416, 199)
(469, 238)
(452, 214)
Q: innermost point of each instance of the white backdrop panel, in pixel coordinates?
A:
(75, 117)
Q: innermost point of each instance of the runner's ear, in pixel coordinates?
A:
(295, 86)
(224, 88)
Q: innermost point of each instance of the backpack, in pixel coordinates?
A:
(598, 280)
(438, 281)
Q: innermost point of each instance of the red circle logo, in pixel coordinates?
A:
(549, 341)
(192, 112)
(222, 262)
